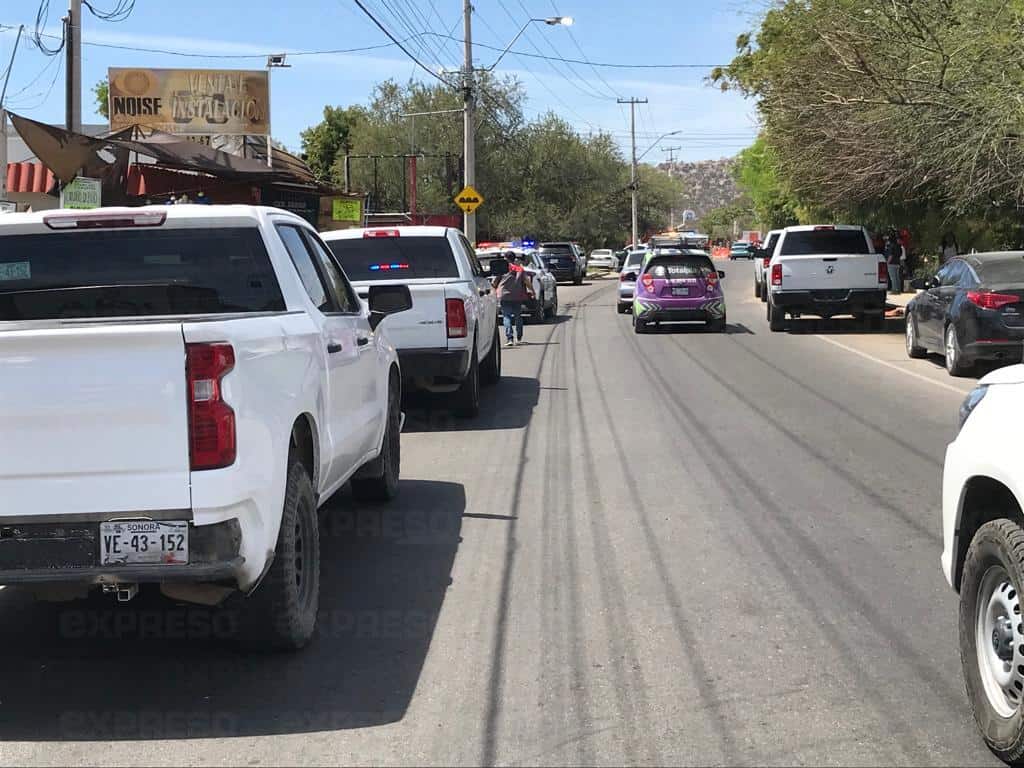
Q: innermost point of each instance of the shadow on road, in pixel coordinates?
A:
(506, 406)
(95, 670)
(842, 325)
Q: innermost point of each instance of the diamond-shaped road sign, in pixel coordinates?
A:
(469, 199)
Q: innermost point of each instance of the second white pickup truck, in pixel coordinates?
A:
(449, 342)
(826, 270)
(182, 388)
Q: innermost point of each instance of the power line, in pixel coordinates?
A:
(397, 42)
(120, 13)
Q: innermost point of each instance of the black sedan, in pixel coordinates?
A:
(972, 309)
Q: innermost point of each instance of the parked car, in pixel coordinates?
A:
(603, 258)
(742, 249)
(183, 387)
(545, 288)
(564, 261)
(448, 342)
(761, 261)
(972, 309)
(983, 555)
(677, 285)
(826, 270)
(627, 279)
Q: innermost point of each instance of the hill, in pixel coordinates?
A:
(707, 184)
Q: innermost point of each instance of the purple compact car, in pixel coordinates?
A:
(678, 286)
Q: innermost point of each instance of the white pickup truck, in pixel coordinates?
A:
(826, 270)
(182, 388)
(449, 342)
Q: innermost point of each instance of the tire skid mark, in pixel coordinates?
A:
(495, 680)
(625, 660)
(687, 422)
(690, 646)
(863, 488)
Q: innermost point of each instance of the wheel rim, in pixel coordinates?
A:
(304, 577)
(911, 341)
(952, 351)
(999, 640)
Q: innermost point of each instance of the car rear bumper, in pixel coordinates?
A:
(1003, 351)
(668, 310)
(434, 363)
(830, 302)
(563, 275)
(69, 553)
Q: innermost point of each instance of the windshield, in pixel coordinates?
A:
(134, 273)
(815, 241)
(667, 267)
(391, 258)
(1002, 271)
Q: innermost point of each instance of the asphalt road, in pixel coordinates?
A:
(685, 548)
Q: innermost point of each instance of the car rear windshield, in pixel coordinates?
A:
(817, 241)
(556, 250)
(679, 266)
(136, 273)
(1003, 271)
(395, 258)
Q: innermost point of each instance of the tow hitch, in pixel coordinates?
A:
(124, 592)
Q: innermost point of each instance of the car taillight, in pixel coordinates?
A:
(627, 277)
(455, 312)
(883, 272)
(211, 421)
(648, 281)
(767, 261)
(776, 274)
(989, 300)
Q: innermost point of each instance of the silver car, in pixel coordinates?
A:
(627, 278)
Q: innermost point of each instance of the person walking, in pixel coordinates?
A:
(949, 248)
(893, 254)
(513, 289)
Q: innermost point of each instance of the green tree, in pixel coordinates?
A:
(324, 142)
(101, 93)
(757, 175)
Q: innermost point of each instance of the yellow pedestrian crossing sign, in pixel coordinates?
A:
(469, 199)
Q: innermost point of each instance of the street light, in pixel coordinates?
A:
(658, 141)
(551, 21)
(274, 61)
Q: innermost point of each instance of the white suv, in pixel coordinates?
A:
(983, 554)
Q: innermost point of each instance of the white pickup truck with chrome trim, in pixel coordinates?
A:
(182, 388)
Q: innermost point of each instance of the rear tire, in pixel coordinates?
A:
(993, 571)
(776, 318)
(467, 397)
(378, 480)
(913, 350)
(955, 363)
(639, 326)
(757, 289)
(578, 280)
(281, 614)
(490, 371)
(550, 313)
(717, 325)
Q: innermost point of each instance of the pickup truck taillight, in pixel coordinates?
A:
(776, 274)
(455, 313)
(767, 261)
(211, 421)
(883, 272)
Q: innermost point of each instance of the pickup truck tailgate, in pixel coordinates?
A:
(425, 325)
(93, 419)
(824, 271)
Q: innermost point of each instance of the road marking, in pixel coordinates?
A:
(894, 367)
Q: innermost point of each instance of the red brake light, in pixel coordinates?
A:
(824, 226)
(105, 220)
(776, 274)
(648, 281)
(883, 272)
(211, 421)
(455, 312)
(988, 300)
(382, 233)
(767, 261)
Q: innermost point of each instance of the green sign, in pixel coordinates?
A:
(82, 192)
(347, 210)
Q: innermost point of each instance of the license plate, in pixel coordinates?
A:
(144, 542)
(680, 291)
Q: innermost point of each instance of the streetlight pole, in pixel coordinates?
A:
(3, 119)
(634, 202)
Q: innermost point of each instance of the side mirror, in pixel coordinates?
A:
(721, 273)
(385, 300)
(497, 268)
(919, 284)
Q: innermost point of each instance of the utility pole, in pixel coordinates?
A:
(671, 151)
(3, 119)
(73, 65)
(632, 181)
(468, 116)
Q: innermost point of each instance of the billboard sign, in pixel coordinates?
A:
(195, 102)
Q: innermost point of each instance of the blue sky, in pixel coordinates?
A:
(713, 124)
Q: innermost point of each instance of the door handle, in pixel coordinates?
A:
(333, 347)
(362, 341)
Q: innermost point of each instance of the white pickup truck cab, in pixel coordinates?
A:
(449, 341)
(826, 270)
(761, 260)
(182, 388)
